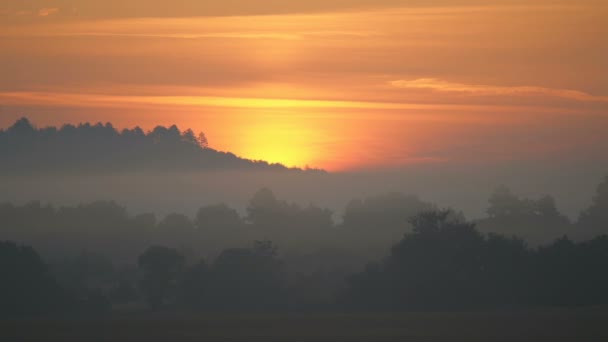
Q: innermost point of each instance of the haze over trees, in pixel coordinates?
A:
(594, 220)
(161, 267)
(388, 252)
(303, 170)
(26, 285)
(99, 258)
(537, 221)
(444, 263)
(166, 169)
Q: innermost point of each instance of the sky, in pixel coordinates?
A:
(334, 84)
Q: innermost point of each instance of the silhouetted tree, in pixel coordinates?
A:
(287, 222)
(444, 263)
(84, 273)
(594, 220)
(379, 221)
(26, 287)
(248, 278)
(592, 277)
(218, 216)
(161, 267)
(556, 273)
(175, 229)
(507, 272)
(439, 264)
(439, 261)
(99, 148)
(503, 203)
(390, 211)
(202, 140)
(537, 221)
(265, 210)
(194, 290)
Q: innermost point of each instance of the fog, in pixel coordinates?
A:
(106, 219)
(466, 188)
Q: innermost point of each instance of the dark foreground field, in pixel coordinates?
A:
(555, 326)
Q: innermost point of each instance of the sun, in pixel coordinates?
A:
(285, 139)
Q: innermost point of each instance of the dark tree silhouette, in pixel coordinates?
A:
(100, 148)
(161, 267)
(390, 211)
(84, 273)
(195, 287)
(446, 264)
(218, 216)
(287, 222)
(265, 210)
(248, 278)
(379, 221)
(438, 265)
(438, 261)
(537, 221)
(594, 220)
(26, 287)
(175, 229)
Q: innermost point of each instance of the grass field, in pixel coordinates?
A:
(554, 326)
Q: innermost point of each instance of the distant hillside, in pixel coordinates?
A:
(99, 148)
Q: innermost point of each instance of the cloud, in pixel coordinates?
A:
(97, 100)
(29, 13)
(189, 8)
(22, 13)
(228, 34)
(439, 85)
(45, 12)
(101, 100)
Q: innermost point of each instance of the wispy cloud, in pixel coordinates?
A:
(45, 12)
(229, 35)
(98, 100)
(22, 13)
(287, 27)
(439, 85)
(102, 100)
(42, 12)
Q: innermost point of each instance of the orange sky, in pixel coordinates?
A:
(332, 84)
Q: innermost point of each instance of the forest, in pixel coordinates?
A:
(390, 252)
(102, 148)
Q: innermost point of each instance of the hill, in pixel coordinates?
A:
(101, 148)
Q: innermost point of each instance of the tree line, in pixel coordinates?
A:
(101, 148)
(98, 257)
(443, 264)
(367, 225)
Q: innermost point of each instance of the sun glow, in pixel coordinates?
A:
(343, 89)
(277, 137)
